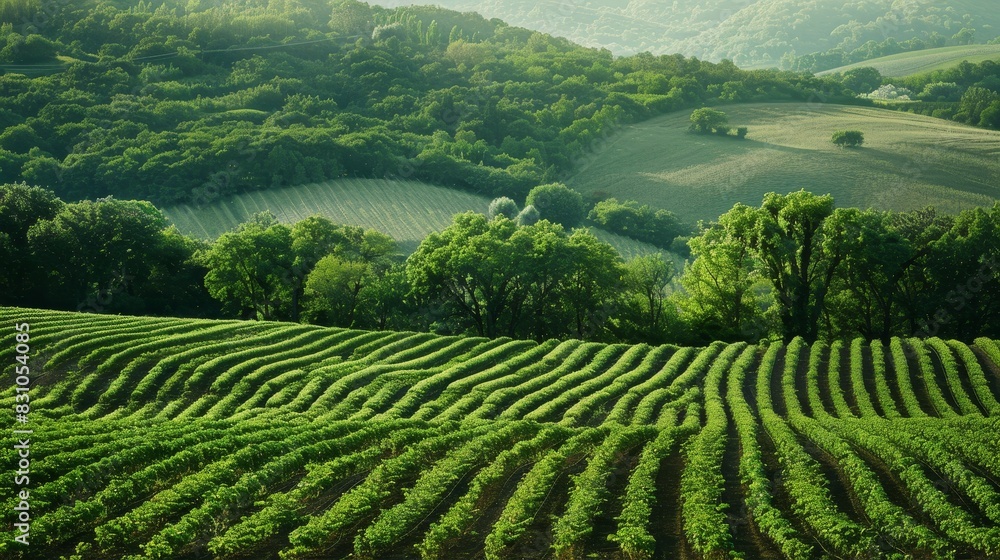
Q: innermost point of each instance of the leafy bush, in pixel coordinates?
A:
(641, 223)
(705, 120)
(848, 138)
(557, 203)
(502, 206)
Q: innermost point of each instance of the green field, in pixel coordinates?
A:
(907, 161)
(405, 210)
(159, 438)
(919, 62)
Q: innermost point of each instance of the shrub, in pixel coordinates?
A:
(848, 138)
(642, 223)
(502, 206)
(741, 132)
(529, 216)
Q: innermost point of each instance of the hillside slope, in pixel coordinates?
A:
(168, 438)
(929, 60)
(749, 32)
(907, 161)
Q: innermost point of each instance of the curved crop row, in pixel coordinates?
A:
(759, 499)
(702, 482)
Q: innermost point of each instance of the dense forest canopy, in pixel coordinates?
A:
(188, 101)
(769, 33)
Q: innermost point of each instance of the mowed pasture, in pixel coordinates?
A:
(160, 438)
(928, 60)
(405, 210)
(907, 162)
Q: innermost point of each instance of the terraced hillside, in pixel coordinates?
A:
(169, 438)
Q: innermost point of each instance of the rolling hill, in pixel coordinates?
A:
(752, 33)
(160, 438)
(907, 161)
(405, 210)
(919, 62)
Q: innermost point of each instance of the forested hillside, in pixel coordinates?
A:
(178, 101)
(750, 32)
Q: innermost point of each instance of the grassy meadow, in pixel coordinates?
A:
(405, 210)
(907, 162)
(928, 60)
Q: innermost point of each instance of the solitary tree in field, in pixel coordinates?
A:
(706, 120)
(848, 138)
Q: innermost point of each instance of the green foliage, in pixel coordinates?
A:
(249, 268)
(374, 430)
(706, 120)
(759, 33)
(528, 216)
(658, 227)
(848, 138)
(503, 206)
(862, 80)
(557, 203)
(195, 101)
(498, 278)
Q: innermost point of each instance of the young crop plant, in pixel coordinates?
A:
(463, 394)
(803, 478)
(954, 522)
(520, 511)
(952, 376)
(372, 495)
(977, 377)
(861, 396)
(625, 377)
(927, 370)
(513, 402)
(633, 536)
(620, 412)
(702, 481)
(834, 365)
(904, 378)
(881, 380)
(462, 514)
(434, 483)
(646, 410)
(758, 494)
(590, 494)
(889, 519)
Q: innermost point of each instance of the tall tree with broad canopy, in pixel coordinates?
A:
(557, 203)
(250, 268)
(21, 206)
(502, 279)
(790, 244)
(785, 243)
(719, 298)
(97, 251)
(317, 237)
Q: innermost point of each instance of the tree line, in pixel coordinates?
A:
(795, 266)
(968, 93)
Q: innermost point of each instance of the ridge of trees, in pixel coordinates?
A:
(794, 266)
